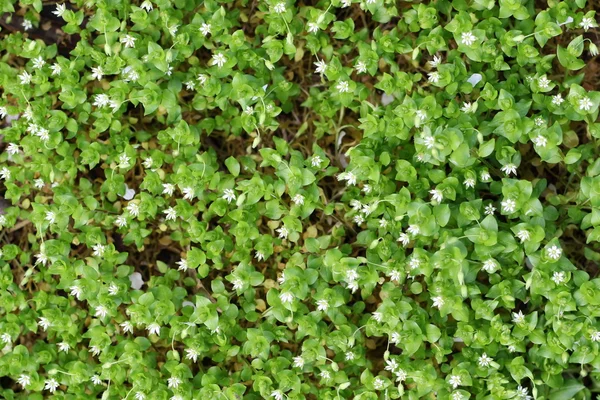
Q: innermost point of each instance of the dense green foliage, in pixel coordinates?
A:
(328, 200)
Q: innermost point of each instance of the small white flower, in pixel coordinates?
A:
(544, 82)
(249, 110)
(219, 59)
(183, 265)
(485, 176)
(173, 382)
(438, 301)
(585, 104)
(5, 173)
(51, 385)
(64, 347)
(168, 188)
(101, 100)
(133, 209)
(554, 252)
(277, 394)
(313, 27)
(60, 10)
(27, 24)
(140, 396)
(146, 5)
(316, 161)
(595, 336)
(96, 380)
(367, 188)
(378, 383)
(383, 223)
(190, 85)
(434, 77)
(377, 316)
(557, 100)
(468, 38)
(558, 277)
(38, 183)
(540, 141)
(279, 8)
(50, 217)
(56, 69)
(518, 318)
(455, 381)
(322, 305)
(325, 375)
(205, 29)
(395, 275)
(113, 289)
(361, 67)
(358, 219)
(351, 275)
(349, 177)
(512, 348)
(286, 297)
(539, 121)
(400, 375)
(259, 256)
(391, 365)
(298, 362)
(421, 115)
(97, 73)
(128, 41)
(413, 230)
(98, 250)
(38, 62)
(404, 239)
(202, 79)
(436, 195)
(283, 232)
(121, 221)
(114, 104)
(349, 356)
(469, 183)
(298, 200)
(346, 3)
(587, 23)
(12, 149)
(5, 337)
(127, 327)
(435, 62)
(24, 380)
(3, 221)
(429, 141)
(41, 257)
(509, 169)
(188, 193)
(171, 214)
(395, 337)
(191, 354)
(343, 87)
(237, 284)
(45, 323)
(229, 195)
(3, 112)
(523, 393)
(101, 311)
(509, 206)
(25, 78)
(485, 360)
(490, 265)
(173, 30)
(468, 107)
(524, 235)
(414, 262)
(153, 329)
(124, 161)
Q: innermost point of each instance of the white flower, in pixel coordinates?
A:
(558, 277)
(367, 188)
(124, 161)
(60, 10)
(391, 365)
(191, 354)
(468, 107)
(468, 38)
(434, 77)
(146, 5)
(50, 217)
(383, 223)
(414, 262)
(325, 375)
(343, 87)
(101, 100)
(421, 115)
(173, 29)
(404, 239)
(173, 382)
(51, 385)
(358, 219)
(24, 380)
(64, 347)
(349, 356)
(237, 284)
(38, 183)
(3, 221)
(219, 59)
(128, 41)
(554, 252)
(400, 375)
(114, 104)
(283, 232)
(378, 383)
(438, 301)
(279, 8)
(587, 23)
(395, 276)
(286, 297)
(490, 265)
(455, 381)
(96, 380)
(5, 337)
(523, 234)
(188, 193)
(298, 362)
(509, 169)
(490, 209)
(522, 393)
(585, 104)
(153, 329)
(377, 316)
(190, 85)
(395, 337)
(3, 112)
(509, 206)
(5, 173)
(349, 177)
(38, 62)
(469, 183)
(277, 394)
(259, 256)
(171, 214)
(97, 73)
(437, 195)
(133, 209)
(27, 24)
(113, 289)
(183, 265)
(202, 79)
(168, 188)
(56, 69)
(544, 82)
(298, 200)
(429, 141)
(413, 230)
(127, 327)
(435, 62)
(518, 317)
(25, 78)
(485, 176)
(322, 305)
(45, 323)
(346, 3)
(351, 275)
(540, 141)
(41, 257)
(321, 67)
(316, 161)
(313, 27)
(595, 336)
(12, 149)
(229, 195)
(557, 100)
(485, 360)
(205, 29)
(539, 121)
(140, 396)
(353, 286)
(98, 250)
(361, 67)
(249, 110)
(121, 221)
(101, 311)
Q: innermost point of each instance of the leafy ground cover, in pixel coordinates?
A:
(366, 199)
